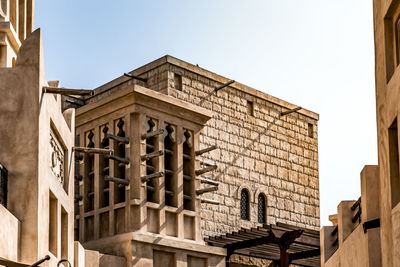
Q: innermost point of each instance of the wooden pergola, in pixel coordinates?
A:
(282, 243)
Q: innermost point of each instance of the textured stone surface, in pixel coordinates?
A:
(269, 154)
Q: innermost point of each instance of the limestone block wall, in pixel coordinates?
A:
(257, 149)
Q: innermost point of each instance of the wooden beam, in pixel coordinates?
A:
(151, 176)
(209, 201)
(92, 150)
(206, 190)
(304, 254)
(207, 181)
(151, 155)
(270, 238)
(116, 180)
(205, 150)
(151, 134)
(119, 139)
(206, 169)
(116, 158)
(67, 91)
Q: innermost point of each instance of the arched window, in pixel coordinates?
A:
(261, 209)
(244, 205)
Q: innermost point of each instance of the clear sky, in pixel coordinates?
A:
(318, 54)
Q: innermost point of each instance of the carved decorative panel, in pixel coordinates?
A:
(56, 157)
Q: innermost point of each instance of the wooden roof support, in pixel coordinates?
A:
(273, 242)
(67, 91)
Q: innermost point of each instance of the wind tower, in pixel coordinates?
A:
(16, 23)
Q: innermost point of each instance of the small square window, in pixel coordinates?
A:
(178, 82)
(250, 108)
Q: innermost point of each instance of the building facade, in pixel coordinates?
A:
(260, 165)
(373, 238)
(176, 153)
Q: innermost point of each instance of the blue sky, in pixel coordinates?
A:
(318, 54)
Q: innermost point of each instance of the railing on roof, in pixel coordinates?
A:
(357, 207)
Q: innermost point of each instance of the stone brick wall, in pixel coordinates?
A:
(263, 152)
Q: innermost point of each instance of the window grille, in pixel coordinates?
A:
(169, 166)
(188, 182)
(89, 174)
(151, 164)
(244, 205)
(3, 185)
(104, 170)
(119, 168)
(261, 209)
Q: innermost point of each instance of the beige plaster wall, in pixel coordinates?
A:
(387, 108)
(353, 251)
(26, 116)
(9, 235)
(19, 115)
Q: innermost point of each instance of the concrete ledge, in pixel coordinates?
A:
(9, 235)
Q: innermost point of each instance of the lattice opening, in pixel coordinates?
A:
(119, 167)
(188, 181)
(89, 174)
(169, 167)
(104, 170)
(151, 164)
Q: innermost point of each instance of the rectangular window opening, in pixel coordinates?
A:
(250, 108)
(394, 163)
(310, 130)
(53, 224)
(178, 82)
(64, 234)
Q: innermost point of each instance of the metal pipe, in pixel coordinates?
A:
(151, 155)
(67, 91)
(116, 180)
(119, 139)
(206, 169)
(151, 176)
(46, 258)
(151, 134)
(135, 77)
(92, 150)
(223, 86)
(205, 150)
